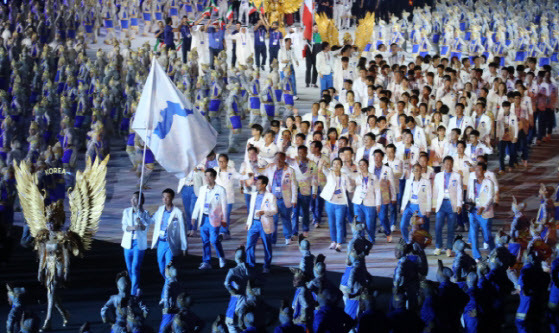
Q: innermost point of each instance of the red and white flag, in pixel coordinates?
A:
(308, 12)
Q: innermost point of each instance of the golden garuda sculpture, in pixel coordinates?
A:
(275, 10)
(54, 246)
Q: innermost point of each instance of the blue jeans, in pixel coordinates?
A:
(188, 201)
(210, 236)
(317, 207)
(503, 145)
(285, 214)
(463, 216)
(445, 212)
(302, 209)
(367, 215)
(326, 81)
(247, 201)
(476, 221)
(336, 221)
(383, 217)
(393, 211)
(133, 258)
(291, 79)
(225, 230)
(164, 256)
(254, 232)
(406, 217)
(522, 145)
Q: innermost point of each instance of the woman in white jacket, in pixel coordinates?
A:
(337, 201)
(135, 225)
(417, 198)
(366, 198)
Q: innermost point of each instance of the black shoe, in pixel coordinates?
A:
(307, 85)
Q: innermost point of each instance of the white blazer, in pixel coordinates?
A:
(324, 63)
(386, 183)
(176, 222)
(512, 125)
(453, 123)
(419, 138)
(217, 205)
(484, 126)
(368, 195)
(424, 197)
(228, 179)
(270, 208)
(330, 187)
(455, 190)
(486, 196)
(128, 220)
(308, 117)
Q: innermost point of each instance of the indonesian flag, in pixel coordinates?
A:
(308, 11)
(229, 14)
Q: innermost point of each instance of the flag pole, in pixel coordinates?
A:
(143, 164)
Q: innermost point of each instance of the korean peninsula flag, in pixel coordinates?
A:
(179, 136)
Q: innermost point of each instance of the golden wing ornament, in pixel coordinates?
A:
(364, 31)
(327, 29)
(291, 6)
(30, 198)
(87, 200)
(257, 3)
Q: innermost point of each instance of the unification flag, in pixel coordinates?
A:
(178, 135)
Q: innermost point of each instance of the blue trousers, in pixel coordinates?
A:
(445, 212)
(133, 258)
(406, 217)
(317, 207)
(401, 188)
(367, 215)
(188, 201)
(247, 201)
(302, 209)
(336, 221)
(164, 256)
(225, 230)
(393, 210)
(210, 236)
(503, 145)
(274, 51)
(383, 217)
(285, 214)
(326, 81)
(291, 79)
(476, 221)
(463, 216)
(256, 230)
(522, 145)
(260, 55)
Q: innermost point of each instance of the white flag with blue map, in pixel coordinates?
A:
(178, 135)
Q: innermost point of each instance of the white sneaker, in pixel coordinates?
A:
(437, 252)
(288, 241)
(222, 262)
(204, 266)
(393, 228)
(485, 246)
